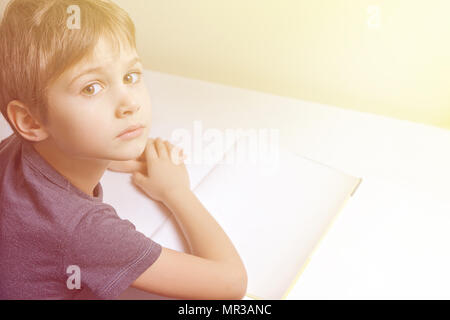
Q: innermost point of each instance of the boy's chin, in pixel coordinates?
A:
(129, 152)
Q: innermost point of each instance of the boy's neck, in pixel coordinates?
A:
(82, 173)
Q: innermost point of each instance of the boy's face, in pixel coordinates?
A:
(87, 113)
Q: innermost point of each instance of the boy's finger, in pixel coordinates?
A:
(175, 155)
(137, 178)
(161, 148)
(170, 146)
(141, 157)
(126, 166)
(174, 147)
(150, 149)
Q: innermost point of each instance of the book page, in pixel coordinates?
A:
(274, 212)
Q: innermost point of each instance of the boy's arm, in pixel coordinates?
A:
(205, 236)
(214, 270)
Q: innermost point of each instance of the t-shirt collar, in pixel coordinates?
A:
(39, 163)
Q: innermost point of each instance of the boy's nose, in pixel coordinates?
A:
(127, 109)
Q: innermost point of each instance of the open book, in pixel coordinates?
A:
(274, 205)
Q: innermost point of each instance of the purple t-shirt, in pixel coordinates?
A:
(53, 236)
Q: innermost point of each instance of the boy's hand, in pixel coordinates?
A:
(158, 171)
(129, 166)
(139, 164)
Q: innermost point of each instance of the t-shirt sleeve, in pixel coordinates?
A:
(109, 252)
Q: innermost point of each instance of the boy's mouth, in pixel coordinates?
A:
(131, 131)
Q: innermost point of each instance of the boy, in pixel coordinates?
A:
(77, 104)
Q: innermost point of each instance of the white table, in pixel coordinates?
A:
(390, 241)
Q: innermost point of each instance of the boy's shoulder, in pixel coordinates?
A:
(7, 144)
(31, 186)
(10, 159)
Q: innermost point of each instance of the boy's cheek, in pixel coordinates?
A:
(79, 128)
(148, 109)
(148, 118)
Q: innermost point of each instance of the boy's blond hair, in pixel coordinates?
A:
(37, 46)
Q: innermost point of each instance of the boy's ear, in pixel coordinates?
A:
(24, 122)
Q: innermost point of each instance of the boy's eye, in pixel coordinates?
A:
(90, 90)
(128, 79)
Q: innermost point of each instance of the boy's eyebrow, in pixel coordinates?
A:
(100, 68)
